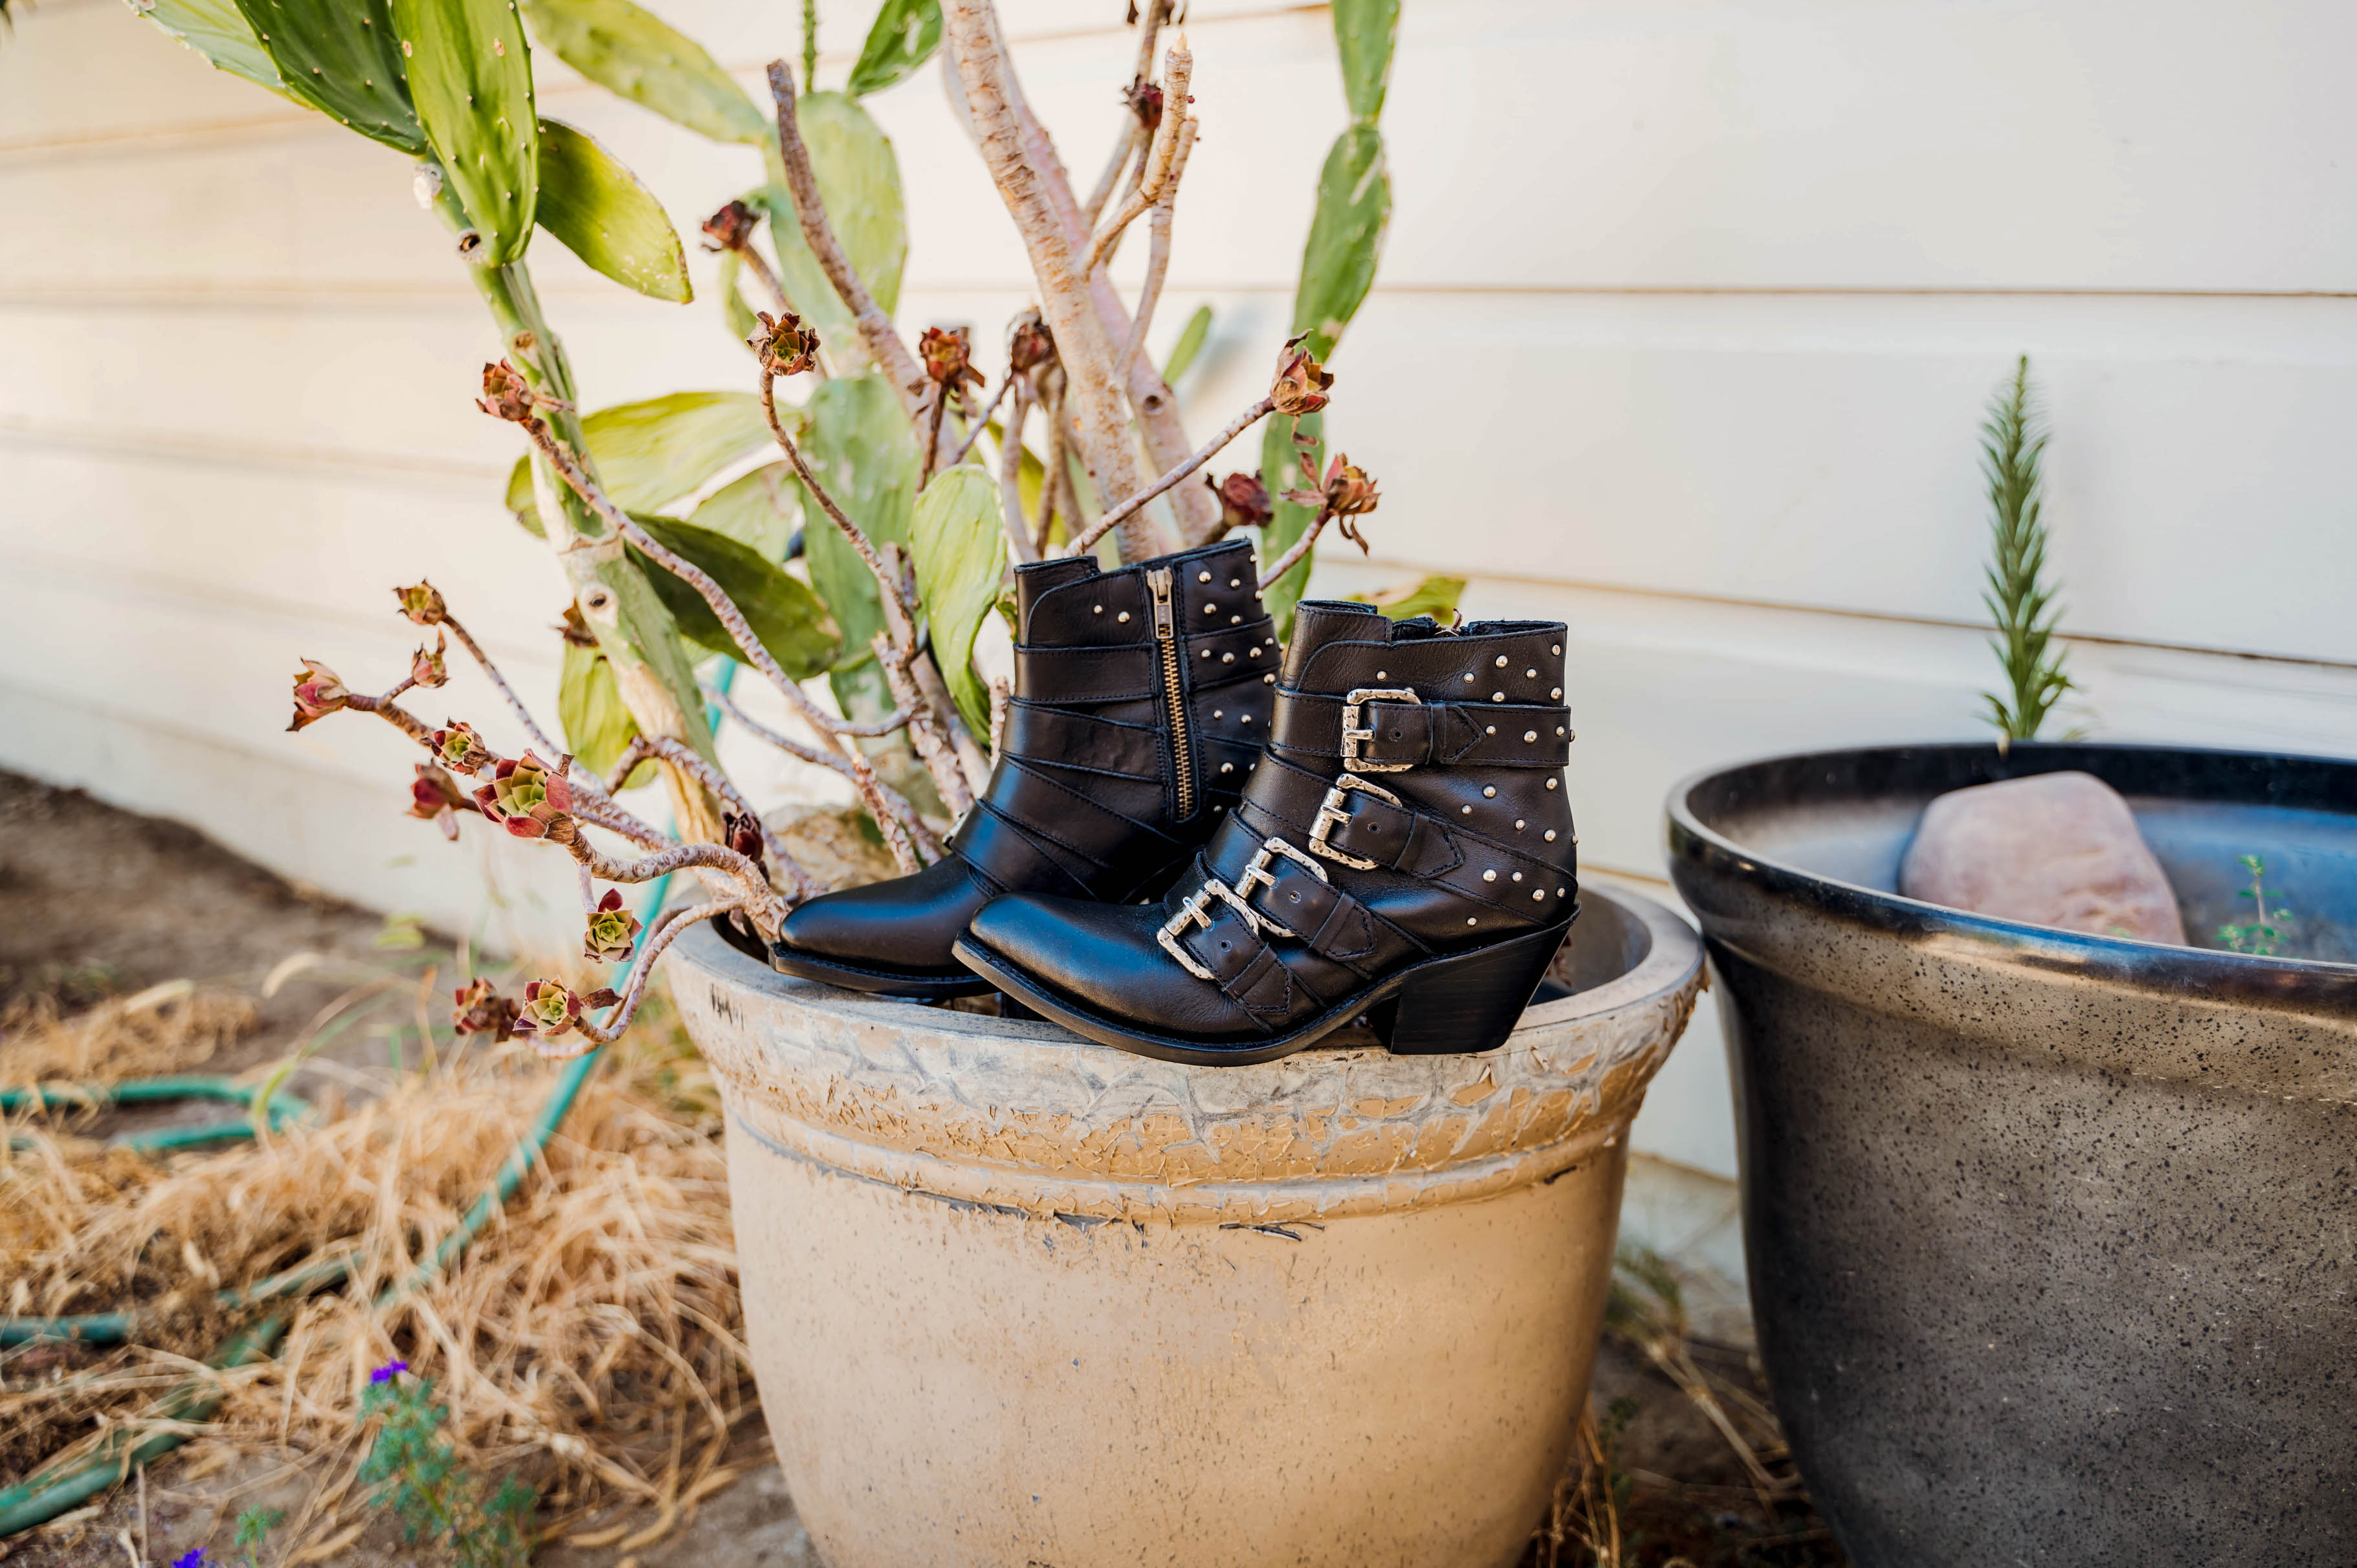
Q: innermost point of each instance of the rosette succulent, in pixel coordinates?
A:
(613, 931)
(528, 797)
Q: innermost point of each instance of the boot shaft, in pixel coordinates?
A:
(1141, 700)
(1467, 725)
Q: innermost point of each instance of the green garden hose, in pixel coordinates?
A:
(154, 1092)
(51, 1490)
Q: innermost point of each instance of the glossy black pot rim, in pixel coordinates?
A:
(1701, 854)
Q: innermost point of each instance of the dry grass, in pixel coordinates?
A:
(166, 1029)
(591, 1343)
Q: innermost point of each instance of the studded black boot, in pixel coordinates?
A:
(1403, 852)
(1141, 699)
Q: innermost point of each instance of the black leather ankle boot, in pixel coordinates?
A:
(1141, 699)
(1403, 854)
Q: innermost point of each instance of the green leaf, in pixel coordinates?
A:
(598, 723)
(1280, 470)
(783, 613)
(1189, 344)
(904, 37)
(341, 58)
(1346, 237)
(734, 314)
(650, 454)
(638, 55)
(1434, 596)
(470, 77)
(217, 30)
(961, 556)
(862, 450)
(1364, 32)
(760, 510)
(859, 181)
(602, 214)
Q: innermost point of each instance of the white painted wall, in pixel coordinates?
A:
(1689, 312)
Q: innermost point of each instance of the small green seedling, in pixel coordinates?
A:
(2265, 929)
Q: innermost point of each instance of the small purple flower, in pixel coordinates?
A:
(190, 1560)
(383, 1374)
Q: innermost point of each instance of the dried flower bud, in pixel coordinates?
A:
(1349, 491)
(1301, 381)
(613, 931)
(1243, 500)
(787, 345)
(948, 357)
(479, 1009)
(741, 832)
(318, 692)
(575, 630)
(459, 748)
(1029, 344)
(506, 394)
(425, 667)
(421, 603)
(1144, 101)
(435, 797)
(730, 228)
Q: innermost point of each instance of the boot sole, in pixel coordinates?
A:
(876, 982)
(1456, 1004)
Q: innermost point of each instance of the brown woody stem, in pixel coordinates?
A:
(643, 746)
(492, 672)
(904, 831)
(1010, 473)
(1292, 557)
(1202, 454)
(874, 328)
(981, 422)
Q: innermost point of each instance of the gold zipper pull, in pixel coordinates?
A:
(1159, 580)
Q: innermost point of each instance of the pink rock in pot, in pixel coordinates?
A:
(2059, 849)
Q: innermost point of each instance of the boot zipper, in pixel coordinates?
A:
(1174, 692)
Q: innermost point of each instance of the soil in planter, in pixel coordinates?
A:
(97, 903)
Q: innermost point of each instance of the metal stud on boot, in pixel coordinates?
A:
(1402, 852)
(1142, 697)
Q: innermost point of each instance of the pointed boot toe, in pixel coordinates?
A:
(1082, 955)
(1403, 854)
(1142, 697)
(893, 937)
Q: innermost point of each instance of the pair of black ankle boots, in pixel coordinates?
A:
(1365, 831)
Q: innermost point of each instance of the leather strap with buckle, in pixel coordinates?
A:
(1378, 730)
(1396, 836)
(1258, 875)
(1356, 734)
(1332, 813)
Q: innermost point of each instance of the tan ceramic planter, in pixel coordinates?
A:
(1019, 1301)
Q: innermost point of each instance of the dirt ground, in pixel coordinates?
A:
(94, 902)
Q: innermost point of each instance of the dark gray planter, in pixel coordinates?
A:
(2052, 1238)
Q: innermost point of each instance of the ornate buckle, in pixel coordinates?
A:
(1330, 815)
(1352, 733)
(1258, 875)
(1197, 911)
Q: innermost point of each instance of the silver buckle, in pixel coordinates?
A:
(1352, 733)
(1330, 815)
(1258, 875)
(1197, 910)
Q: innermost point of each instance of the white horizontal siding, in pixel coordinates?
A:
(1686, 320)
